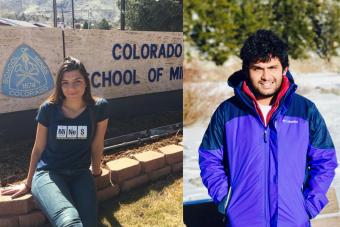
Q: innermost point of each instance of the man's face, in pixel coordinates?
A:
(266, 77)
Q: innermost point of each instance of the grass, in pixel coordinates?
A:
(156, 204)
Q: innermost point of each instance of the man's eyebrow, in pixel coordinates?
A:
(260, 67)
(256, 66)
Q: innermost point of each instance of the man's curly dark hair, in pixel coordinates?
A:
(261, 47)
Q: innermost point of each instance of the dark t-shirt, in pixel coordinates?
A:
(69, 140)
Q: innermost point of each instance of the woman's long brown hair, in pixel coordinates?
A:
(71, 64)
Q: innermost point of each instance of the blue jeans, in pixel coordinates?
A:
(66, 197)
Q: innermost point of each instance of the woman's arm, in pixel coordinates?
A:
(97, 146)
(39, 146)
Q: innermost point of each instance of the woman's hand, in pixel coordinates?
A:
(97, 172)
(16, 190)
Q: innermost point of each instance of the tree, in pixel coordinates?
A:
(325, 17)
(104, 24)
(250, 17)
(156, 15)
(211, 27)
(293, 26)
(330, 32)
(86, 25)
(218, 28)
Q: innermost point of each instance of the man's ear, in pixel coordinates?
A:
(285, 71)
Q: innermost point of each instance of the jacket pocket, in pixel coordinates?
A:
(228, 199)
(223, 205)
(304, 201)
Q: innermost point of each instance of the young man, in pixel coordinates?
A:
(266, 157)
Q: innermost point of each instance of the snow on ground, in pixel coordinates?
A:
(322, 88)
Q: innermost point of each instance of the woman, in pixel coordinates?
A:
(69, 138)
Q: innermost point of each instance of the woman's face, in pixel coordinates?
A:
(73, 85)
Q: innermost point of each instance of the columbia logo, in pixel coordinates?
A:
(290, 121)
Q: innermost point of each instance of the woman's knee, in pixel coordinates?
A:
(67, 217)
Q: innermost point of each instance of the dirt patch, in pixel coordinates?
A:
(149, 146)
(126, 125)
(14, 162)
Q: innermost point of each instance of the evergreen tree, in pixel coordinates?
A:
(292, 25)
(157, 15)
(104, 24)
(218, 28)
(325, 17)
(250, 17)
(331, 31)
(86, 25)
(211, 26)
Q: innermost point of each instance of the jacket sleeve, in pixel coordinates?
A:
(211, 162)
(321, 164)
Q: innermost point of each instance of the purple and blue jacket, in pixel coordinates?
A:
(275, 174)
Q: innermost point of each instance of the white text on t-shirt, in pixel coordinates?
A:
(72, 132)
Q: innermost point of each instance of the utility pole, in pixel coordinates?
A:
(55, 13)
(88, 18)
(62, 17)
(122, 15)
(72, 14)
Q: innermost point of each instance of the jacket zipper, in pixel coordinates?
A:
(265, 174)
(265, 135)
